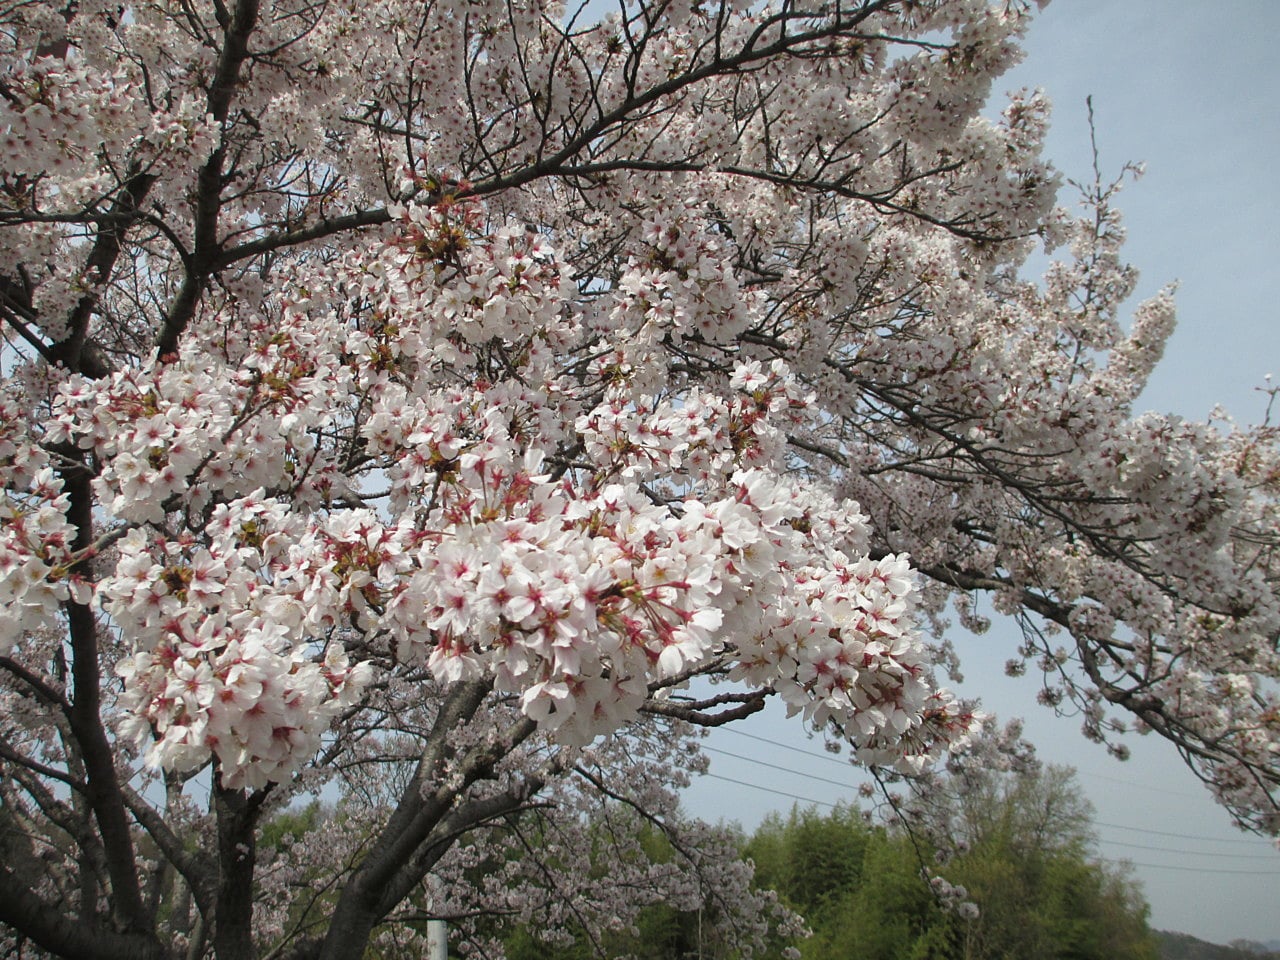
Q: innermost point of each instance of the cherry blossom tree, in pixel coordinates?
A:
(453, 406)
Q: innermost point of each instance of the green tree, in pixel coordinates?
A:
(1021, 845)
(810, 858)
(857, 885)
(1031, 833)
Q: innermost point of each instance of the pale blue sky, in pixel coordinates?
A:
(1190, 89)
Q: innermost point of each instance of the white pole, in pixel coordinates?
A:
(437, 930)
(437, 940)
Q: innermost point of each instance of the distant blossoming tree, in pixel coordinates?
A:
(452, 405)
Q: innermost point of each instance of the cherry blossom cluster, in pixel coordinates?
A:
(36, 557)
(680, 284)
(181, 432)
(848, 656)
(221, 665)
(701, 434)
(58, 113)
(575, 591)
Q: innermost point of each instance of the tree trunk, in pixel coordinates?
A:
(237, 853)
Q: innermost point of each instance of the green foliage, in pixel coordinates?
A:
(1050, 904)
(290, 825)
(889, 916)
(812, 857)
(858, 886)
(1032, 834)
(1027, 862)
(1027, 865)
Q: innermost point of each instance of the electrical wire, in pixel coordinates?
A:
(845, 764)
(781, 793)
(1169, 866)
(1111, 860)
(1177, 836)
(773, 766)
(786, 746)
(1196, 853)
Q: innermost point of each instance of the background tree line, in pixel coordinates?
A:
(1183, 946)
(1018, 846)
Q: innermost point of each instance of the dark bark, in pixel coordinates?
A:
(75, 351)
(204, 259)
(356, 912)
(237, 815)
(102, 789)
(62, 936)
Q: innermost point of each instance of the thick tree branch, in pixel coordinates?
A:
(697, 712)
(205, 253)
(196, 870)
(102, 259)
(102, 788)
(64, 936)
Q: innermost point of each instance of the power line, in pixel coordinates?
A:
(1179, 836)
(1168, 866)
(1196, 853)
(1132, 863)
(828, 758)
(781, 793)
(773, 766)
(787, 746)
(1137, 786)
(845, 765)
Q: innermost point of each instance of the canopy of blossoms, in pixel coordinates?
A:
(572, 370)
